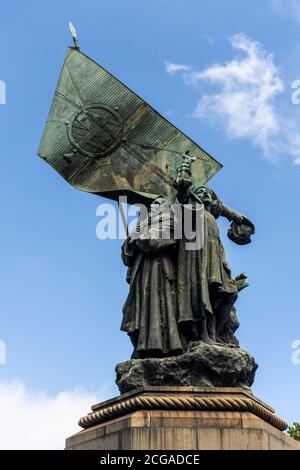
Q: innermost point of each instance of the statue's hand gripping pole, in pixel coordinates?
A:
(183, 178)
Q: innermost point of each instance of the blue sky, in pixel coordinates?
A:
(62, 289)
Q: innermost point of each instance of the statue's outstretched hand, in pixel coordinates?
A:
(241, 219)
(241, 229)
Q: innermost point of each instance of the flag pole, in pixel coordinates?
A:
(123, 217)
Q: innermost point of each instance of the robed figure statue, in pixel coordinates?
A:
(178, 294)
(150, 312)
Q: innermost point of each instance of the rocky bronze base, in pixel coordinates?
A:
(203, 365)
(182, 418)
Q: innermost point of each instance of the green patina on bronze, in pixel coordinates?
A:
(104, 139)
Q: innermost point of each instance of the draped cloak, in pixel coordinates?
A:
(198, 271)
(170, 285)
(150, 310)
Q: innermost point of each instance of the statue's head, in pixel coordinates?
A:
(205, 194)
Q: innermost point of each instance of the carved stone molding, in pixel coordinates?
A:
(182, 398)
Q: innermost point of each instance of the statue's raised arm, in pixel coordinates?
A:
(241, 227)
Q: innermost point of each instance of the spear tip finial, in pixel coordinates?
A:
(74, 35)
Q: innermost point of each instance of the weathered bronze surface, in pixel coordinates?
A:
(104, 139)
(178, 295)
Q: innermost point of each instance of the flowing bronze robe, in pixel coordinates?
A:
(171, 286)
(200, 271)
(150, 310)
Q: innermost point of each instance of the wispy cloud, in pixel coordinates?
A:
(209, 39)
(245, 102)
(38, 420)
(290, 7)
(172, 68)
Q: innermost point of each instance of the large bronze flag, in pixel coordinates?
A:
(104, 139)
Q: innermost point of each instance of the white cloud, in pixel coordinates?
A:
(38, 420)
(245, 103)
(174, 68)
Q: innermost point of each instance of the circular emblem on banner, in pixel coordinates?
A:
(95, 130)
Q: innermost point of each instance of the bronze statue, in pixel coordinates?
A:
(180, 312)
(150, 311)
(177, 295)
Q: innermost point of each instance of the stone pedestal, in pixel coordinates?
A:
(182, 418)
